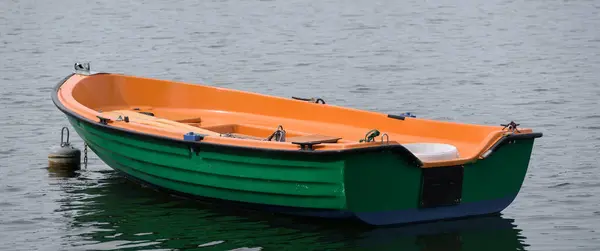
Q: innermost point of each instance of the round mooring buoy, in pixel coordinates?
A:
(66, 156)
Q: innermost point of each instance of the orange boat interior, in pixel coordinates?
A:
(232, 117)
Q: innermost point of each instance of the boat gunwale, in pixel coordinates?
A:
(396, 148)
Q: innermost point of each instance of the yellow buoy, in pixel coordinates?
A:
(65, 157)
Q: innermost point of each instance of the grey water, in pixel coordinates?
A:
(535, 62)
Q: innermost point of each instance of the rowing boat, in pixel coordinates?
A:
(294, 155)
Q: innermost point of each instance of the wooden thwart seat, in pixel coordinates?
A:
(308, 141)
(145, 119)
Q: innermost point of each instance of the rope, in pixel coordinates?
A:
(512, 126)
(370, 136)
(313, 99)
(278, 135)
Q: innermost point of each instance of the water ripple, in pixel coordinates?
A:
(595, 116)
(212, 243)
(560, 185)
(535, 61)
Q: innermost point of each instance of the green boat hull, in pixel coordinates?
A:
(379, 186)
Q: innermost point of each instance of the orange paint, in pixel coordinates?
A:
(182, 107)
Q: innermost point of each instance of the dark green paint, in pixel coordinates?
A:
(380, 182)
(498, 176)
(263, 179)
(361, 182)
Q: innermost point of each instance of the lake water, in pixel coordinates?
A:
(536, 62)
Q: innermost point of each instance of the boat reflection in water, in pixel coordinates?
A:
(108, 212)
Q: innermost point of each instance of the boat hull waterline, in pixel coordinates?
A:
(378, 182)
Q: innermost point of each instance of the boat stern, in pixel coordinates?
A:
(388, 188)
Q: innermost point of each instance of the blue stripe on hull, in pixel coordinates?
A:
(372, 218)
(332, 214)
(438, 213)
(407, 215)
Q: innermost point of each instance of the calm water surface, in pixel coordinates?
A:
(536, 62)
